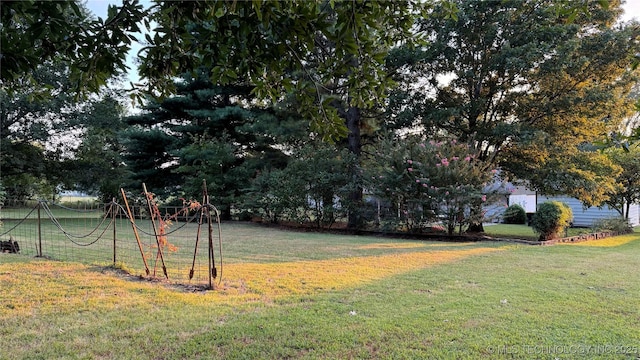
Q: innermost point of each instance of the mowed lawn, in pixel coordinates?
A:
(355, 297)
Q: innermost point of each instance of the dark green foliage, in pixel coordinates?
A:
(281, 48)
(207, 132)
(551, 219)
(100, 150)
(3, 194)
(514, 214)
(51, 52)
(217, 161)
(313, 188)
(429, 182)
(92, 49)
(28, 124)
(149, 159)
(628, 180)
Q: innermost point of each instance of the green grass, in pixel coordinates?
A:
(371, 298)
(241, 242)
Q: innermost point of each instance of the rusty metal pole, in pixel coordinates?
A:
(212, 260)
(39, 231)
(135, 231)
(155, 230)
(113, 219)
(214, 271)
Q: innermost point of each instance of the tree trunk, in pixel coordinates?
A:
(626, 215)
(353, 118)
(475, 228)
(225, 213)
(476, 217)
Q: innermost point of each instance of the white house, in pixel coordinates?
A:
(585, 217)
(582, 217)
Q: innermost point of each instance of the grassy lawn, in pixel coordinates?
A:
(305, 295)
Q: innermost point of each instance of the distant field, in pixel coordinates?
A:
(76, 199)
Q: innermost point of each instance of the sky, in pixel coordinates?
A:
(99, 8)
(631, 10)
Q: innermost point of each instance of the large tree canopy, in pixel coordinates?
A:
(51, 52)
(273, 43)
(211, 132)
(52, 142)
(526, 85)
(99, 151)
(94, 50)
(330, 55)
(27, 126)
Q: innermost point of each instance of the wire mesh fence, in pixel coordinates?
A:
(187, 247)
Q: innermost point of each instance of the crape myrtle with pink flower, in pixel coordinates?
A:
(425, 183)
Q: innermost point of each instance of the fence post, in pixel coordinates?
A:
(113, 219)
(39, 230)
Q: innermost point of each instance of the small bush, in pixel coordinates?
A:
(618, 224)
(514, 214)
(551, 219)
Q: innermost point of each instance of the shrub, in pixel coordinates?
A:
(551, 219)
(515, 214)
(618, 224)
(313, 188)
(433, 181)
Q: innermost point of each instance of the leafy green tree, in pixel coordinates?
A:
(50, 52)
(30, 165)
(211, 132)
(329, 54)
(93, 50)
(59, 142)
(273, 43)
(313, 188)
(430, 181)
(582, 173)
(628, 179)
(525, 83)
(97, 166)
(275, 196)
